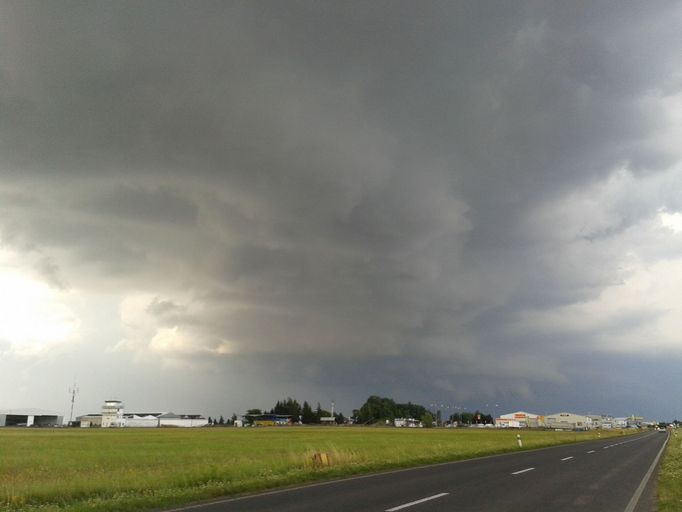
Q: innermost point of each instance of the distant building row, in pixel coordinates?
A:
(113, 416)
(568, 421)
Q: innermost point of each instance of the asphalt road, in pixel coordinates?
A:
(602, 476)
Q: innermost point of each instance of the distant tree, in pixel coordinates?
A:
(234, 417)
(467, 418)
(210, 421)
(221, 421)
(376, 409)
(288, 407)
(339, 418)
(321, 413)
(427, 420)
(308, 415)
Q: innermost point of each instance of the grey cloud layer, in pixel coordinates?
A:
(381, 182)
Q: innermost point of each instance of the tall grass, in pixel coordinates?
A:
(670, 476)
(138, 469)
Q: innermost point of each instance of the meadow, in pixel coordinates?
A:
(143, 469)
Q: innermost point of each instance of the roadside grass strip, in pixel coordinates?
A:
(670, 476)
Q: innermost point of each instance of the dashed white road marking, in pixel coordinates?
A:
(522, 471)
(412, 503)
(567, 458)
(591, 451)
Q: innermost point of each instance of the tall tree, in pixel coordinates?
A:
(308, 414)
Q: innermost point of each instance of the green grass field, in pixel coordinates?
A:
(670, 476)
(138, 469)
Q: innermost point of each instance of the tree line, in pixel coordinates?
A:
(300, 413)
(376, 409)
(380, 409)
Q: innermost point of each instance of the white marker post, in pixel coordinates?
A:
(518, 440)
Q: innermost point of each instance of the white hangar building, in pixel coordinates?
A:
(30, 418)
(568, 421)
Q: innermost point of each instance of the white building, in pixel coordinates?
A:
(89, 420)
(519, 419)
(601, 421)
(620, 422)
(170, 419)
(141, 420)
(407, 422)
(112, 414)
(568, 421)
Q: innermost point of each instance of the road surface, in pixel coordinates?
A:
(602, 476)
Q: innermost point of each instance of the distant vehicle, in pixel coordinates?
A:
(660, 429)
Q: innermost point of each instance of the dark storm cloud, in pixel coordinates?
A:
(342, 192)
(159, 205)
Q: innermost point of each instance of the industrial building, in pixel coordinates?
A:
(30, 418)
(601, 421)
(520, 419)
(568, 421)
(89, 420)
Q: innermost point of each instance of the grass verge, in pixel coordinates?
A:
(141, 469)
(670, 476)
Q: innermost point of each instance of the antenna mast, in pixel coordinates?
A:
(74, 391)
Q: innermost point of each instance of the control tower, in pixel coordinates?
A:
(112, 414)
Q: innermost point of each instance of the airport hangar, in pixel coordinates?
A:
(30, 418)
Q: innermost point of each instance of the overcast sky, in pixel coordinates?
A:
(211, 206)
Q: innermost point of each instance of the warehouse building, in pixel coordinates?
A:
(520, 419)
(568, 421)
(89, 420)
(30, 418)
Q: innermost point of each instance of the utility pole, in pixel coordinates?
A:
(73, 390)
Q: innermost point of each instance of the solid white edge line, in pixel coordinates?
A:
(567, 458)
(522, 471)
(640, 489)
(412, 503)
